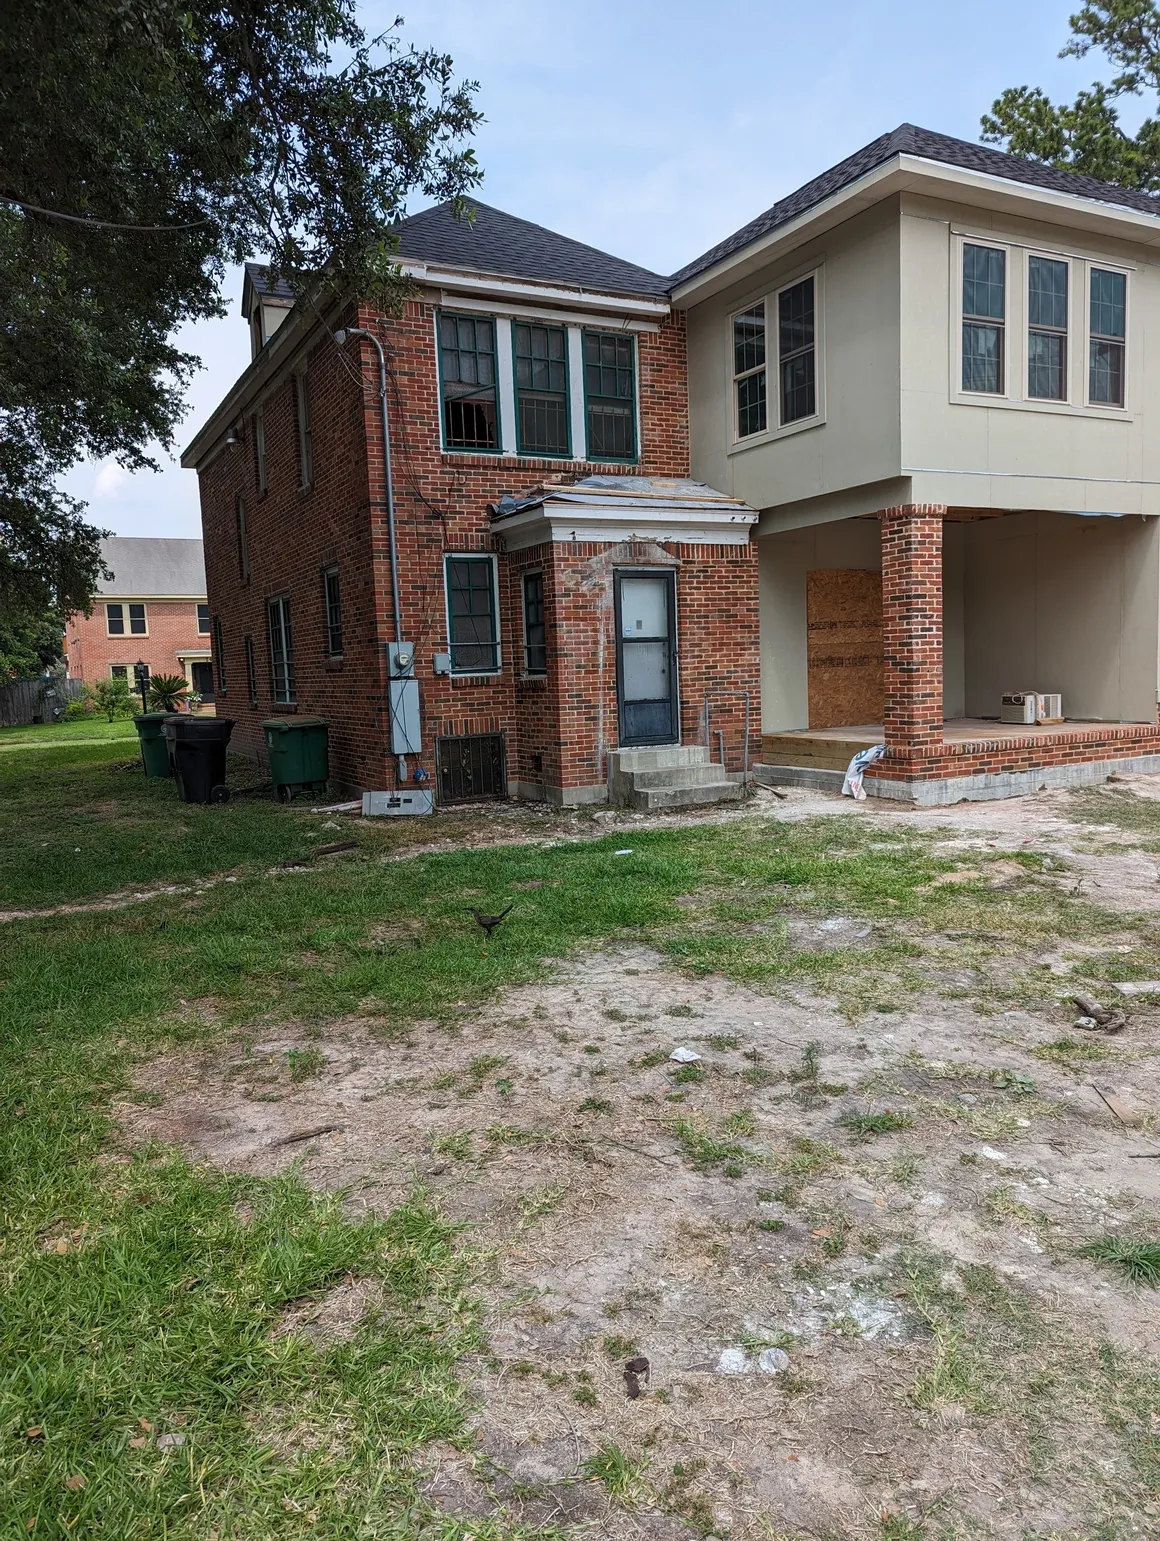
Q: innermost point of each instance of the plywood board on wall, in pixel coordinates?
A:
(844, 647)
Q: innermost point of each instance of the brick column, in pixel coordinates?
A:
(912, 628)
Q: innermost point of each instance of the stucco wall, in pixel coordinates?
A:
(858, 441)
(1057, 602)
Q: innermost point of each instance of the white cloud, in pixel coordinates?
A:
(109, 480)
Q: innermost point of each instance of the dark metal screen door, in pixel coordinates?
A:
(471, 768)
(646, 658)
(203, 680)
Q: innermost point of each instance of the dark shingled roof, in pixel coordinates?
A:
(495, 242)
(258, 274)
(909, 140)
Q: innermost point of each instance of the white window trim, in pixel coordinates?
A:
(473, 556)
(577, 407)
(126, 618)
(734, 377)
(1104, 408)
(283, 603)
(1014, 396)
(775, 428)
(1069, 397)
(531, 572)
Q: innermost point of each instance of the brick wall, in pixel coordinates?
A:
(983, 756)
(172, 629)
(559, 728)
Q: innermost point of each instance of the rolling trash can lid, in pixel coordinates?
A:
(292, 724)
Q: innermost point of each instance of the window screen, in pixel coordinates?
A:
(281, 652)
(541, 356)
(471, 615)
(467, 379)
(535, 632)
(796, 351)
(610, 395)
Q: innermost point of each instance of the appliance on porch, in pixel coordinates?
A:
(1030, 706)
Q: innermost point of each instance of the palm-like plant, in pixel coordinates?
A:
(167, 692)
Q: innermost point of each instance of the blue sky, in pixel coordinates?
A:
(653, 128)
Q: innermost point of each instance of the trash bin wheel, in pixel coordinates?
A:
(219, 794)
(285, 794)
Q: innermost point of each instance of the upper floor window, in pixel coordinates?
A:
(1047, 284)
(749, 370)
(203, 620)
(332, 598)
(541, 365)
(115, 620)
(243, 534)
(281, 651)
(796, 351)
(467, 375)
(610, 395)
(305, 431)
(535, 630)
(472, 614)
(984, 318)
(1107, 337)
(260, 470)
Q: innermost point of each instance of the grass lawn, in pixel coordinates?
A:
(142, 1390)
(51, 734)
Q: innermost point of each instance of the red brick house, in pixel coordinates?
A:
(572, 611)
(153, 609)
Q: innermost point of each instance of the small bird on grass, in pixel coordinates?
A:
(489, 922)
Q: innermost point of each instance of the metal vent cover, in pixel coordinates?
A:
(471, 768)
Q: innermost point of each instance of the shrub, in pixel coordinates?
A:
(114, 698)
(167, 692)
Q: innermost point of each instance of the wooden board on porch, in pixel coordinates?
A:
(818, 750)
(844, 647)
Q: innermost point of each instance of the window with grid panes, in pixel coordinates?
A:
(984, 318)
(1108, 332)
(796, 351)
(1046, 329)
(541, 356)
(471, 614)
(203, 620)
(332, 597)
(749, 370)
(281, 651)
(535, 631)
(467, 380)
(610, 395)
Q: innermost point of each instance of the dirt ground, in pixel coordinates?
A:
(846, 1330)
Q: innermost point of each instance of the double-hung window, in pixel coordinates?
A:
(1107, 337)
(749, 370)
(305, 432)
(203, 620)
(115, 620)
(541, 368)
(1047, 300)
(984, 318)
(610, 395)
(332, 599)
(119, 671)
(797, 351)
(467, 374)
(281, 651)
(535, 630)
(243, 534)
(472, 614)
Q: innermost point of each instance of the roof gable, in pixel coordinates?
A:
(152, 567)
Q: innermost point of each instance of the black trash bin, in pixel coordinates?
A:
(197, 747)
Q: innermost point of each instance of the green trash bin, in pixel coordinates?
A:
(299, 754)
(154, 749)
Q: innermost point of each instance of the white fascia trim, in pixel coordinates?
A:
(456, 281)
(545, 525)
(447, 299)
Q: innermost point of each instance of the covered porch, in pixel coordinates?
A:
(908, 627)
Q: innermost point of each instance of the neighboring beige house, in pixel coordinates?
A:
(935, 358)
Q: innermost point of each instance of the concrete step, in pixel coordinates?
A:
(649, 799)
(626, 760)
(814, 776)
(677, 776)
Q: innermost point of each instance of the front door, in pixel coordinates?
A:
(202, 680)
(646, 658)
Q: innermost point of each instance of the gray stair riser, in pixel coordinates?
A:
(658, 759)
(649, 799)
(677, 776)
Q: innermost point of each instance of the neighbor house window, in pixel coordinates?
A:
(797, 351)
(749, 370)
(219, 656)
(115, 620)
(243, 531)
(1046, 329)
(1108, 332)
(281, 651)
(251, 671)
(203, 620)
(541, 356)
(467, 380)
(984, 317)
(472, 621)
(610, 395)
(305, 432)
(332, 599)
(119, 671)
(535, 631)
(260, 450)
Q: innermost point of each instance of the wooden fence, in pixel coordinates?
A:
(29, 701)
